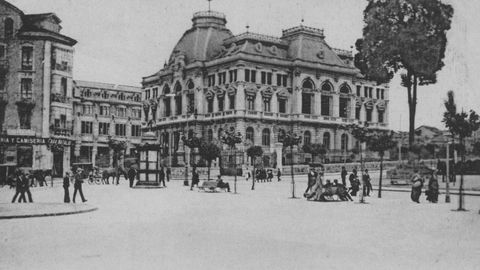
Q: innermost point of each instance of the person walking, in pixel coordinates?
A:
(279, 174)
(25, 187)
(66, 185)
(18, 186)
(367, 184)
(248, 174)
(417, 184)
(432, 191)
(162, 177)
(195, 178)
(131, 175)
(312, 180)
(169, 174)
(354, 183)
(344, 176)
(77, 186)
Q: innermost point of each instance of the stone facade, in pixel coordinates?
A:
(36, 64)
(263, 87)
(103, 112)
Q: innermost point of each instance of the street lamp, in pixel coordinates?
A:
(290, 140)
(447, 188)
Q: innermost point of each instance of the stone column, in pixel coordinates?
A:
(278, 150)
(335, 105)
(240, 97)
(274, 104)
(173, 106)
(258, 102)
(317, 103)
(94, 153)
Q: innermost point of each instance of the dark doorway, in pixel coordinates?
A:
(58, 164)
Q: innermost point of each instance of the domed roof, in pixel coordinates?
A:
(204, 40)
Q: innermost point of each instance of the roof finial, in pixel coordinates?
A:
(209, 5)
(248, 27)
(302, 21)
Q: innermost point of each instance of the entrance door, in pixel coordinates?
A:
(58, 164)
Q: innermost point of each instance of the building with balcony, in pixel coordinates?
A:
(262, 86)
(104, 112)
(36, 63)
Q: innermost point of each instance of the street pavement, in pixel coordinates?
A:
(175, 228)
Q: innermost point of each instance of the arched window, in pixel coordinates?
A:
(249, 135)
(307, 137)
(178, 87)
(63, 85)
(345, 89)
(344, 142)
(266, 137)
(166, 90)
(326, 86)
(8, 28)
(210, 135)
(281, 135)
(308, 84)
(190, 85)
(326, 140)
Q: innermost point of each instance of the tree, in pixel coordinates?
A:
(118, 148)
(314, 149)
(253, 152)
(476, 148)
(361, 134)
(289, 140)
(462, 125)
(209, 151)
(408, 36)
(380, 143)
(191, 142)
(231, 138)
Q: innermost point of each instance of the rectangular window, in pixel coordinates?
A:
(266, 104)
(87, 127)
(369, 115)
(210, 105)
(250, 103)
(232, 102)
(26, 88)
(279, 79)
(247, 75)
(370, 92)
(380, 116)
(136, 113)
(359, 90)
(178, 105)
(103, 128)
(343, 108)
(155, 92)
(104, 110)
(253, 76)
(121, 112)
(365, 90)
(232, 75)
(27, 58)
(378, 93)
(221, 104)
(325, 105)
(269, 78)
(191, 103)
(136, 131)
(282, 105)
(222, 78)
(382, 94)
(24, 156)
(211, 80)
(263, 76)
(120, 129)
(306, 103)
(168, 111)
(357, 112)
(284, 82)
(3, 51)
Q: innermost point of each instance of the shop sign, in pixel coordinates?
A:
(33, 140)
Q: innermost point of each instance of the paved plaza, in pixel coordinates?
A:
(175, 228)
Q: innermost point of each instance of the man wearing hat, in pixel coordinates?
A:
(77, 186)
(66, 185)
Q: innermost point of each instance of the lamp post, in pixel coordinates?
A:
(447, 188)
(290, 140)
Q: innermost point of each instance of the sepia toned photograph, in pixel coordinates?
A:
(226, 134)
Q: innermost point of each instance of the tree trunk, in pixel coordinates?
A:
(253, 174)
(460, 190)
(208, 170)
(381, 173)
(412, 106)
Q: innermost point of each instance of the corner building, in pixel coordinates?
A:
(263, 87)
(36, 65)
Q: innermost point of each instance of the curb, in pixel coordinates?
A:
(49, 214)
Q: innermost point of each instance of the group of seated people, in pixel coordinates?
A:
(328, 192)
(212, 185)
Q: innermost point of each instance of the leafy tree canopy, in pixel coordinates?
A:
(231, 138)
(403, 34)
(254, 151)
(209, 151)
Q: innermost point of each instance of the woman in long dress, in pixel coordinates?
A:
(417, 184)
(432, 192)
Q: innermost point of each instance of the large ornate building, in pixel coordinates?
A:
(103, 112)
(36, 63)
(262, 86)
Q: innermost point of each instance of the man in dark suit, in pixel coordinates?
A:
(66, 185)
(25, 187)
(169, 173)
(162, 177)
(131, 175)
(195, 178)
(77, 186)
(18, 186)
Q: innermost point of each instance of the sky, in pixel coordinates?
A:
(122, 41)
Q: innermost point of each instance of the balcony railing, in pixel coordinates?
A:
(61, 131)
(60, 98)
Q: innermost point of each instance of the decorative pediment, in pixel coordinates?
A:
(250, 91)
(209, 94)
(369, 104)
(267, 92)
(381, 106)
(231, 90)
(282, 93)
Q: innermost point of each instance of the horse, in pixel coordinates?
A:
(113, 172)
